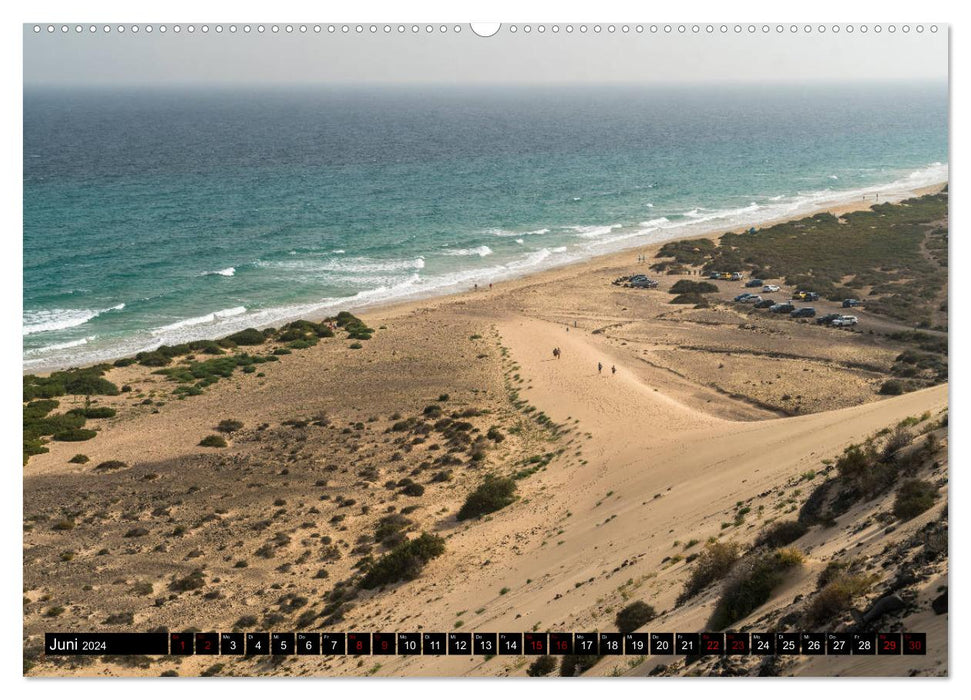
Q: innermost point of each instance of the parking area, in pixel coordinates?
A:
(776, 299)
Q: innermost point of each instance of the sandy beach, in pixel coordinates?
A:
(622, 474)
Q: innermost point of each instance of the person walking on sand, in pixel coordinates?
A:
(600, 368)
(613, 369)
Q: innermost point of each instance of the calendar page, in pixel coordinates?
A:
(538, 349)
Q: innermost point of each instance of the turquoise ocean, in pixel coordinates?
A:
(157, 216)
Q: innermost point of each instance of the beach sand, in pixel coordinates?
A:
(708, 408)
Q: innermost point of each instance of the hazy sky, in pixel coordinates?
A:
(143, 58)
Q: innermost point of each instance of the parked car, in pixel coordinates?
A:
(783, 308)
(850, 303)
(714, 275)
(845, 321)
(641, 282)
(804, 295)
(827, 319)
(751, 299)
(743, 296)
(754, 283)
(770, 288)
(765, 304)
(804, 312)
(736, 277)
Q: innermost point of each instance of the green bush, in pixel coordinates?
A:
(712, 564)
(249, 336)
(403, 563)
(153, 359)
(413, 490)
(542, 666)
(492, 494)
(56, 423)
(913, 498)
(892, 387)
(229, 426)
(110, 465)
(835, 599)
(36, 410)
(781, 533)
(692, 287)
(79, 459)
(97, 412)
(78, 382)
(213, 441)
(750, 585)
(634, 616)
(74, 435)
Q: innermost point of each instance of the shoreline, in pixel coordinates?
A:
(603, 261)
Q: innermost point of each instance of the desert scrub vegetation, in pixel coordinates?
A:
(491, 495)
(229, 426)
(74, 435)
(750, 584)
(899, 251)
(404, 562)
(213, 441)
(835, 598)
(110, 466)
(868, 470)
(781, 533)
(694, 253)
(634, 616)
(711, 565)
(913, 498)
(195, 376)
(355, 327)
(40, 424)
(542, 666)
(89, 381)
(693, 287)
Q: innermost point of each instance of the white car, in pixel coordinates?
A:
(752, 299)
(845, 321)
(770, 288)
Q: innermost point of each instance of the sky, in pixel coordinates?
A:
(142, 58)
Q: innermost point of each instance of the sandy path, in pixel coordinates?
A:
(656, 472)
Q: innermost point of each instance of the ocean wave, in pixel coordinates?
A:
(227, 272)
(655, 223)
(350, 266)
(199, 320)
(481, 251)
(53, 347)
(594, 231)
(509, 234)
(46, 320)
